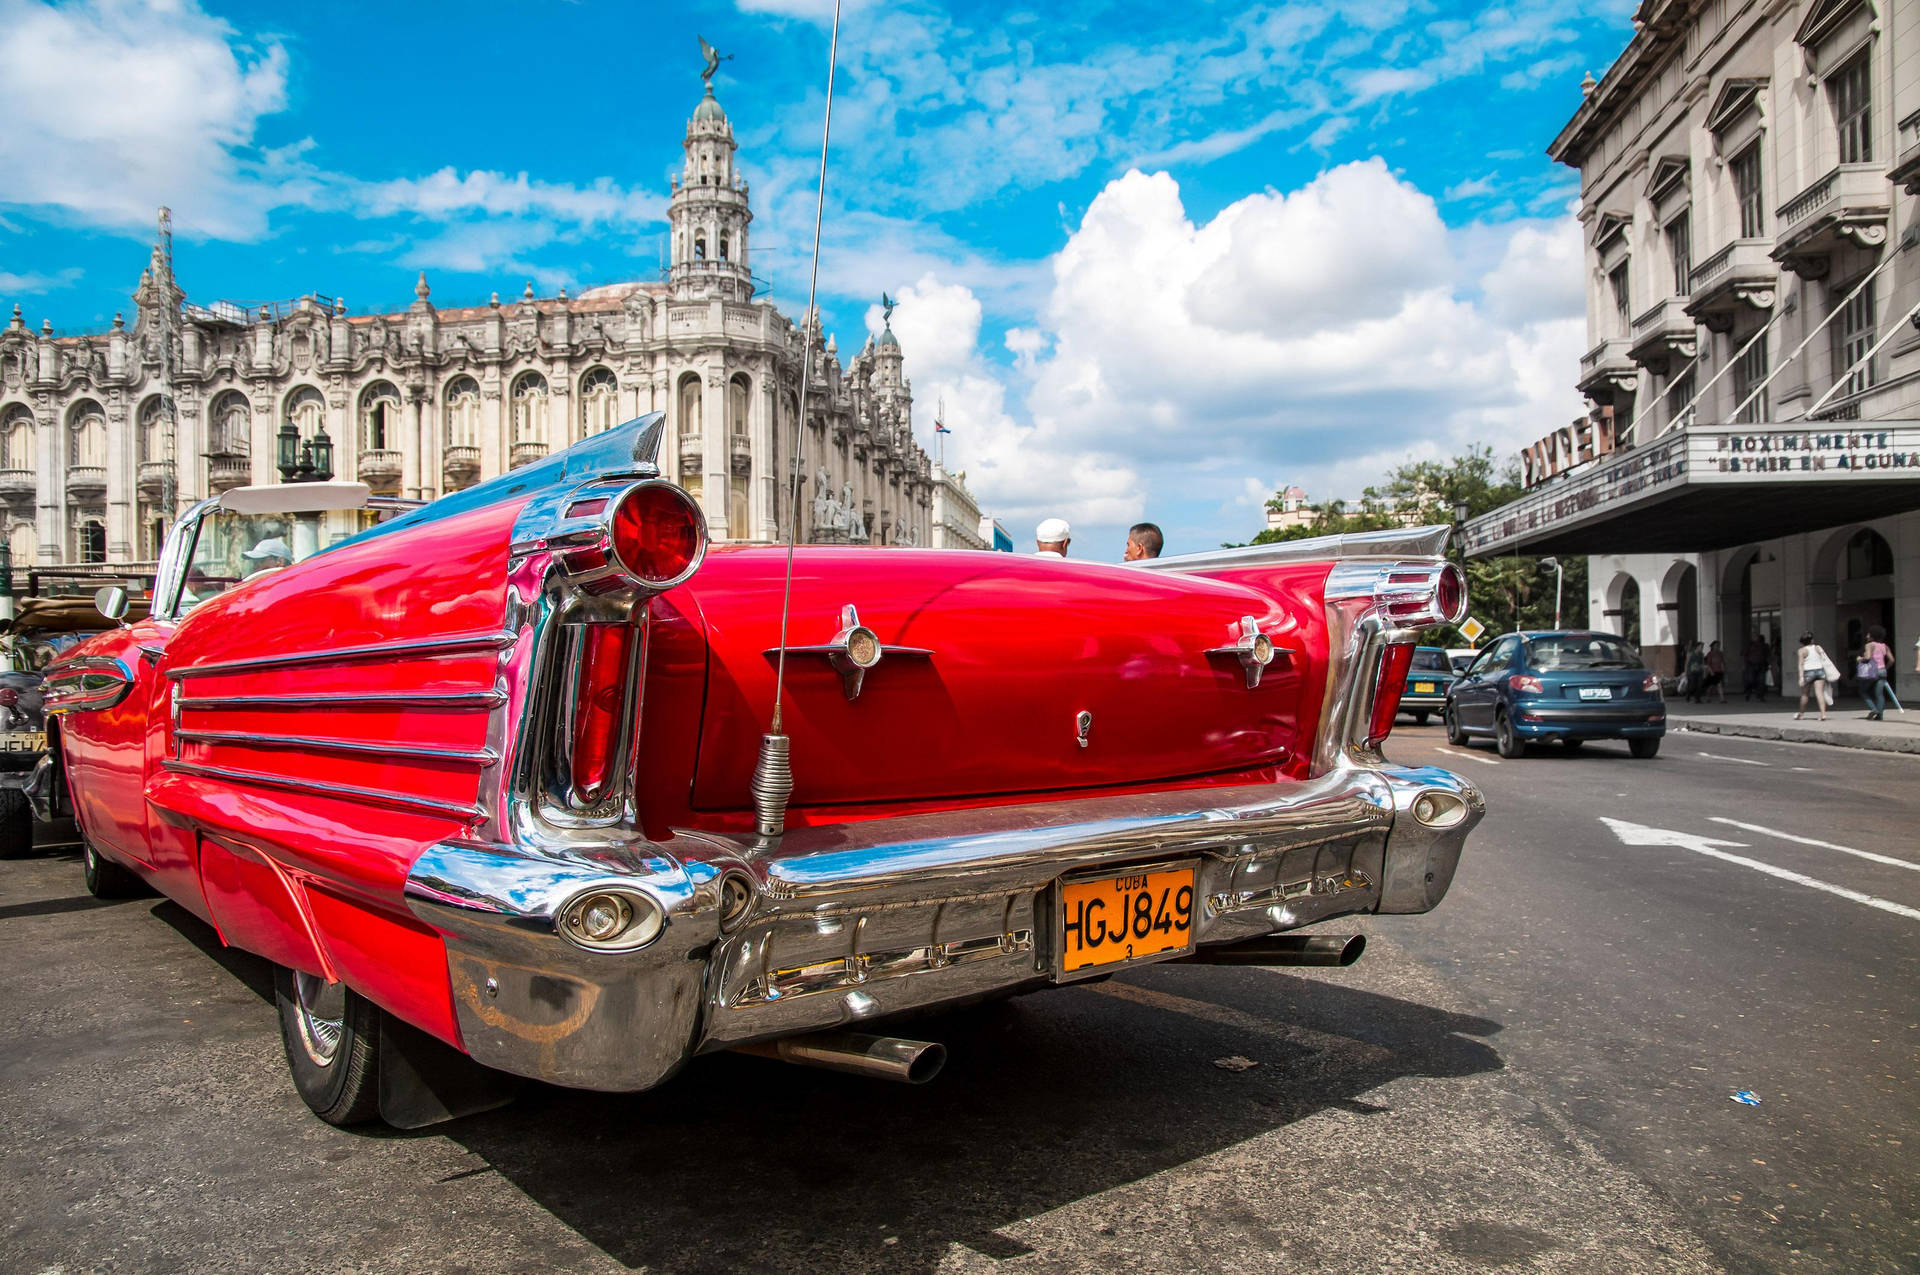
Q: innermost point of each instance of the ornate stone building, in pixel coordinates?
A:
(419, 403)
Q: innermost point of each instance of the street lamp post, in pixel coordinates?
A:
(1559, 576)
(303, 460)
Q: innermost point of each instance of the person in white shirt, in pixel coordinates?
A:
(1051, 539)
(1817, 674)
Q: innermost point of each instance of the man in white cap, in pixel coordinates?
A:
(269, 553)
(1052, 538)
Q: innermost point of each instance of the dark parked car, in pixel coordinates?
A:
(1569, 686)
(1427, 681)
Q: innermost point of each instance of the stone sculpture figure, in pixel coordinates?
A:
(824, 510)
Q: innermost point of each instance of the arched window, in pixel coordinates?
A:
(24, 541)
(738, 390)
(230, 424)
(530, 409)
(700, 245)
(462, 399)
(723, 247)
(150, 435)
(87, 427)
(692, 423)
(16, 437)
(93, 541)
(380, 418)
(599, 401)
(1868, 554)
(737, 528)
(307, 409)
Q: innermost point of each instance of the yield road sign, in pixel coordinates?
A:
(1471, 629)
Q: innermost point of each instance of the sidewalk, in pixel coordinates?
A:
(1846, 725)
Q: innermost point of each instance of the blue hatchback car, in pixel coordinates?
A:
(1560, 685)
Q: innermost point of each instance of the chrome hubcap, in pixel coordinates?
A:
(320, 1009)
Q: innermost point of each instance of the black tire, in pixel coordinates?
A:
(107, 879)
(16, 824)
(1451, 720)
(1644, 748)
(1420, 717)
(338, 1079)
(1505, 738)
(1573, 745)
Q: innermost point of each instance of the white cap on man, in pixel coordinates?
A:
(1051, 537)
(271, 547)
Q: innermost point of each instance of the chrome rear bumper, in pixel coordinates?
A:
(856, 921)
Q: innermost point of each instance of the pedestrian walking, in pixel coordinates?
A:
(1716, 671)
(1696, 673)
(1753, 678)
(1817, 676)
(1876, 659)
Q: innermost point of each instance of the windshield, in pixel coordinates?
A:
(1426, 661)
(1580, 650)
(230, 547)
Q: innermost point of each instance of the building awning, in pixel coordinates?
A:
(1713, 487)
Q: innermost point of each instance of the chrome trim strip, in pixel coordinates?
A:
(1416, 542)
(344, 792)
(254, 739)
(416, 699)
(410, 648)
(80, 696)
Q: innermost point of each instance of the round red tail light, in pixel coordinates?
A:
(657, 534)
(1450, 595)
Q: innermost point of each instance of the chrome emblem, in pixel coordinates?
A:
(1083, 725)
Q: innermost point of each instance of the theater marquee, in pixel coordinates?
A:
(1708, 486)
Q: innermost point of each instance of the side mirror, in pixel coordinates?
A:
(111, 601)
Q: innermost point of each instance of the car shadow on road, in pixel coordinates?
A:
(742, 1162)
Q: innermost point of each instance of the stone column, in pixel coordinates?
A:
(718, 482)
(49, 489)
(122, 500)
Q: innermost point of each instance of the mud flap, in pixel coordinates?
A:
(424, 1081)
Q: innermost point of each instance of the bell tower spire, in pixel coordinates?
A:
(708, 215)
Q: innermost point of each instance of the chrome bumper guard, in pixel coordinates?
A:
(856, 921)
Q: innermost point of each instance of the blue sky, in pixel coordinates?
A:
(1156, 259)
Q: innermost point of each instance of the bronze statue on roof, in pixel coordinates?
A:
(714, 58)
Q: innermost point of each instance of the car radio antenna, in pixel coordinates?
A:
(773, 771)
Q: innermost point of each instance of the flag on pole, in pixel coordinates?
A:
(940, 428)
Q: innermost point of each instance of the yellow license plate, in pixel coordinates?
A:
(1423, 688)
(1121, 918)
(23, 742)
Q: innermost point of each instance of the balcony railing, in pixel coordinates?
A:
(15, 483)
(1611, 350)
(1847, 205)
(381, 470)
(153, 477)
(227, 470)
(526, 454)
(461, 466)
(1906, 170)
(87, 478)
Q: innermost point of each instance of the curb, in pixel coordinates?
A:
(1801, 735)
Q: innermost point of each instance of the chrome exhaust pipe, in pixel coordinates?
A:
(912, 1062)
(1283, 949)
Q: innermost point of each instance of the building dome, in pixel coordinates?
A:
(887, 339)
(709, 109)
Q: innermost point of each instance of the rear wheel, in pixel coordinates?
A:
(1451, 720)
(1420, 717)
(1644, 748)
(332, 1037)
(1509, 743)
(16, 824)
(107, 879)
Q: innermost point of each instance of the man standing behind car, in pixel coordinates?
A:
(269, 553)
(1051, 538)
(1144, 541)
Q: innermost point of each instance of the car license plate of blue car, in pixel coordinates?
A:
(1596, 692)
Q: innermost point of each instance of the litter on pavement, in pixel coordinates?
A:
(1234, 1062)
(1746, 1098)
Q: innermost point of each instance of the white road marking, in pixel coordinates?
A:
(1744, 761)
(1824, 845)
(1461, 752)
(1634, 834)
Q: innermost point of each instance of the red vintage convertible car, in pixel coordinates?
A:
(479, 779)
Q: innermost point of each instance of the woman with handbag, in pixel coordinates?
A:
(1816, 676)
(1875, 659)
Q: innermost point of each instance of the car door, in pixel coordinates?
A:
(1478, 689)
(102, 692)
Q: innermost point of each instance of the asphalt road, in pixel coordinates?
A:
(1536, 1076)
